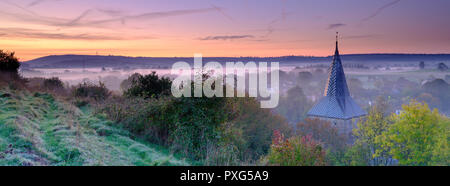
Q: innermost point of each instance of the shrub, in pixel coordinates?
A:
(356, 155)
(296, 151)
(9, 66)
(196, 121)
(145, 118)
(257, 126)
(186, 125)
(215, 131)
(322, 131)
(54, 84)
(8, 62)
(334, 142)
(91, 91)
(149, 86)
(126, 84)
(222, 154)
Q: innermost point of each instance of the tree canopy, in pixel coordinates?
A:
(417, 136)
(8, 62)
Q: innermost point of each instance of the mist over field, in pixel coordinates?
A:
(368, 75)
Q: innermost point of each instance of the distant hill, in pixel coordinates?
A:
(89, 61)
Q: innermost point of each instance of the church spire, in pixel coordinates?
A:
(336, 53)
(336, 84)
(337, 102)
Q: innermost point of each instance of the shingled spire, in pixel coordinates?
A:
(336, 84)
(337, 102)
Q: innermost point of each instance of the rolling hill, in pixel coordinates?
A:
(89, 61)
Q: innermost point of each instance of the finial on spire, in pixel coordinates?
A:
(336, 53)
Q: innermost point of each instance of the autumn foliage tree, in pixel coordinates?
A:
(322, 131)
(333, 142)
(296, 151)
(417, 136)
(367, 131)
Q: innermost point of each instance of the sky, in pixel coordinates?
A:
(229, 28)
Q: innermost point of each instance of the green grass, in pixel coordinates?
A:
(36, 129)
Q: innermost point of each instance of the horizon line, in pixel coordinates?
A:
(112, 55)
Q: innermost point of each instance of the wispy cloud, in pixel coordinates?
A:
(270, 27)
(151, 15)
(36, 2)
(45, 34)
(82, 21)
(228, 37)
(77, 19)
(112, 13)
(34, 19)
(362, 36)
(221, 11)
(379, 10)
(336, 25)
(19, 7)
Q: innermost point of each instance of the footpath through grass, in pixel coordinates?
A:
(35, 129)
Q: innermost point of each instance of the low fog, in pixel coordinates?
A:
(302, 84)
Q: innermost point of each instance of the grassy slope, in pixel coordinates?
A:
(35, 129)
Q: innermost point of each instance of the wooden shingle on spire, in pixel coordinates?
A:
(337, 102)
